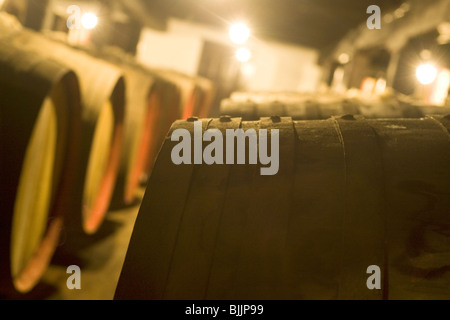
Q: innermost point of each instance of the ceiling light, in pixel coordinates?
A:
(426, 73)
(89, 20)
(243, 55)
(248, 70)
(344, 58)
(239, 33)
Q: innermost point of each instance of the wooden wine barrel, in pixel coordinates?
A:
(103, 97)
(150, 120)
(306, 106)
(351, 193)
(40, 126)
(424, 107)
(153, 104)
(143, 126)
(263, 96)
(207, 92)
(179, 96)
(190, 93)
(170, 98)
(304, 109)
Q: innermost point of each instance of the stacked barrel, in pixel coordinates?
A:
(308, 106)
(79, 132)
(40, 117)
(168, 95)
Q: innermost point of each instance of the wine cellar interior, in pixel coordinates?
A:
(224, 150)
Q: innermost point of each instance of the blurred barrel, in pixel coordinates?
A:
(262, 96)
(103, 98)
(187, 91)
(351, 193)
(177, 95)
(164, 103)
(170, 98)
(309, 106)
(178, 98)
(207, 92)
(302, 109)
(196, 93)
(143, 124)
(252, 106)
(154, 102)
(40, 126)
(422, 106)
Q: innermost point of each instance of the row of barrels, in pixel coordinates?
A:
(359, 209)
(78, 134)
(312, 106)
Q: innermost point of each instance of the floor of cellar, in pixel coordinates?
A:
(100, 259)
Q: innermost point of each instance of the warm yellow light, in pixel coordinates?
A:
(380, 86)
(248, 70)
(89, 21)
(440, 91)
(239, 33)
(243, 55)
(344, 58)
(426, 73)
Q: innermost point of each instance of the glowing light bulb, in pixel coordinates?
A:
(239, 33)
(426, 73)
(243, 55)
(248, 70)
(89, 21)
(344, 58)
